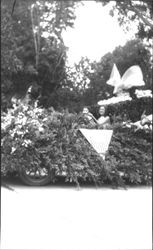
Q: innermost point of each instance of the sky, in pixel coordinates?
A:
(95, 33)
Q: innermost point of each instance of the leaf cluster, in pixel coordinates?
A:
(132, 152)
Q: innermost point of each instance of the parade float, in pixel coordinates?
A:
(41, 144)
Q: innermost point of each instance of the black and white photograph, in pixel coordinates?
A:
(76, 124)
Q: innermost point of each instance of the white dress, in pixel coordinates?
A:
(102, 120)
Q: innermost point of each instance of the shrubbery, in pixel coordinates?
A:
(32, 134)
(132, 153)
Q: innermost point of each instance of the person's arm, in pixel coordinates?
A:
(91, 116)
(95, 120)
(102, 124)
(104, 120)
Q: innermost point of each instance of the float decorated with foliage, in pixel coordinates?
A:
(41, 144)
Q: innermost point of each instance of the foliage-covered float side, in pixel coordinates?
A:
(52, 139)
(130, 152)
(35, 135)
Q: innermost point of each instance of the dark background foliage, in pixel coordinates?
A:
(30, 59)
(131, 10)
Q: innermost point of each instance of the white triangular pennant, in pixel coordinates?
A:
(115, 77)
(99, 139)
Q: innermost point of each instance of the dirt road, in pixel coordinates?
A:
(63, 217)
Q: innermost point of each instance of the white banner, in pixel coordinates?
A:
(99, 139)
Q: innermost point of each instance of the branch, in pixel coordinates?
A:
(143, 18)
(58, 63)
(14, 3)
(137, 12)
(34, 36)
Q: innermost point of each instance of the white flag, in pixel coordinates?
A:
(115, 77)
(99, 139)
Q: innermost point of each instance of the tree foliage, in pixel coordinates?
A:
(33, 51)
(130, 10)
(34, 54)
(133, 52)
(86, 81)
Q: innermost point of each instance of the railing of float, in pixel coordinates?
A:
(99, 139)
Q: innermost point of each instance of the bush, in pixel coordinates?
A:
(35, 135)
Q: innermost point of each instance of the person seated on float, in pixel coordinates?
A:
(103, 121)
(146, 121)
(89, 116)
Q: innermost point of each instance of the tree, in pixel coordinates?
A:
(9, 61)
(38, 59)
(130, 10)
(78, 75)
(133, 53)
(86, 82)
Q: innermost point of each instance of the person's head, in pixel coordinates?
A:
(102, 110)
(85, 110)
